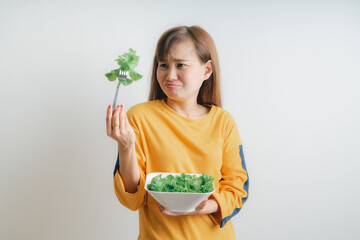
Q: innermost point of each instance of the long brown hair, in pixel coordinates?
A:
(209, 93)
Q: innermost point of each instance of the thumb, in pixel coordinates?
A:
(201, 205)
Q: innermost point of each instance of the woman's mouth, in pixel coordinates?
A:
(172, 86)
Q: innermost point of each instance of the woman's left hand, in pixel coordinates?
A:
(205, 207)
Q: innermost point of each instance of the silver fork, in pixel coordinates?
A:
(122, 76)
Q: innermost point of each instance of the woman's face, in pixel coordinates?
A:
(181, 75)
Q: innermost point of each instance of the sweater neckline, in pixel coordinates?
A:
(173, 112)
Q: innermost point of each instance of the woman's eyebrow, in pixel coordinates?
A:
(175, 60)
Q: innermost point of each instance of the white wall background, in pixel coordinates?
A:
(290, 77)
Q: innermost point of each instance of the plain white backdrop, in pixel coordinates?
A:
(290, 77)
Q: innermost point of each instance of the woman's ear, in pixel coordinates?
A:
(208, 70)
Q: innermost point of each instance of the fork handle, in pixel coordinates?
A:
(116, 94)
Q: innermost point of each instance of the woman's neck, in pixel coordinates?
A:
(189, 108)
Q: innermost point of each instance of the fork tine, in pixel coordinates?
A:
(122, 74)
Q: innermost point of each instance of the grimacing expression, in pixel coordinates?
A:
(182, 73)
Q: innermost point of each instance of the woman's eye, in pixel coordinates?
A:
(164, 65)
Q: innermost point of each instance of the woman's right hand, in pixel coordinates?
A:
(119, 129)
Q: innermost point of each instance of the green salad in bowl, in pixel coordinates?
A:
(179, 192)
(184, 183)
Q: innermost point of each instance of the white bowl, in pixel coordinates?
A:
(176, 201)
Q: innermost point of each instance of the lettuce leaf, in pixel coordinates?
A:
(127, 62)
(113, 74)
(184, 183)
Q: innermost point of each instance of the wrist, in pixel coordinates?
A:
(126, 149)
(210, 207)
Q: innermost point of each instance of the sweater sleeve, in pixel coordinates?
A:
(136, 200)
(234, 183)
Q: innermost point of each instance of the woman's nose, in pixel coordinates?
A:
(171, 74)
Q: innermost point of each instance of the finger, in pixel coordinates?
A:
(108, 120)
(169, 213)
(166, 212)
(116, 118)
(163, 210)
(160, 208)
(122, 118)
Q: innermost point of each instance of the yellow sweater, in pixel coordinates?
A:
(169, 142)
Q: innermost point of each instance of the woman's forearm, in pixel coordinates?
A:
(212, 207)
(129, 169)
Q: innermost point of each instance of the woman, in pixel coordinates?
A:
(182, 128)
